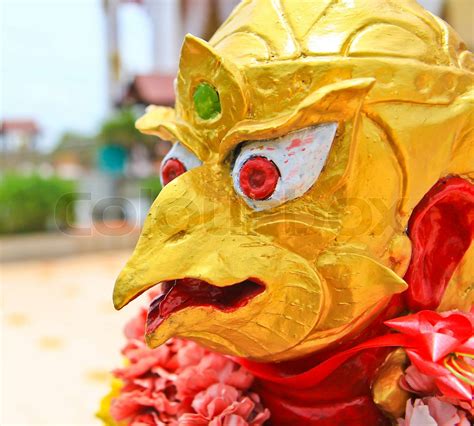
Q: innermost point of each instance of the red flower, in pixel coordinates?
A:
(441, 347)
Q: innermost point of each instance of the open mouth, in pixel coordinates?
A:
(176, 295)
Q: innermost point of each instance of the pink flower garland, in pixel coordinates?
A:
(182, 383)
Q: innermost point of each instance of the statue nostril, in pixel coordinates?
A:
(176, 237)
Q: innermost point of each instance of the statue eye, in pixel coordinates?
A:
(171, 170)
(258, 178)
(178, 161)
(269, 173)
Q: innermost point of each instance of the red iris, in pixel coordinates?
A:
(258, 178)
(171, 170)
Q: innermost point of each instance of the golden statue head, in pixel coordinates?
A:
(305, 132)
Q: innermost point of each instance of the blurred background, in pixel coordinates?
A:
(76, 181)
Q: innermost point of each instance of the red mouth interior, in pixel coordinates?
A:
(179, 294)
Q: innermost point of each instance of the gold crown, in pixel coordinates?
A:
(288, 30)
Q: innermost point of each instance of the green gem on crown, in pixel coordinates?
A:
(206, 101)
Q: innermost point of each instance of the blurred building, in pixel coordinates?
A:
(170, 21)
(434, 6)
(18, 135)
(18, 145)
(458, 13)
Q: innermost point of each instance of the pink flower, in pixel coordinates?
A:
(417, 382)
(135, 328)
(432, 411)
(150, 419)
(221, 405)
(182, 383)
(136, 403)
(440, 345)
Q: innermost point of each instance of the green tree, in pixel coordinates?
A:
(33, 203)
(82, 146)
(120, 129)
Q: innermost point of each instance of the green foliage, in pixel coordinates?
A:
(150, 187)
(33, 203)
(83, 147)
(120, 130)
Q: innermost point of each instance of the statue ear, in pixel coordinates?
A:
(441, 229)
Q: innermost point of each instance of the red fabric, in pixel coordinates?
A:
(336, 391)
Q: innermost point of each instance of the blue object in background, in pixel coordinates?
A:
(112, 159)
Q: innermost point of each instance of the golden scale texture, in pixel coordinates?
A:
(397, 80)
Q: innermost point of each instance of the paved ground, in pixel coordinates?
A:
(60, 336)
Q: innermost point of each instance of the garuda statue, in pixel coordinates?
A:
(320, 184)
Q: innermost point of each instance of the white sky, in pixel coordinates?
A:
(53, 61)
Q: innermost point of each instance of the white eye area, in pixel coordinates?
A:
(178, 161)
(269, 173)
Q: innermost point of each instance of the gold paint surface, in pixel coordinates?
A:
(386, 391)
(398, 82)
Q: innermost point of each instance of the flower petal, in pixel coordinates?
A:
(444, 413)
(451, 387)
(426, 366)
(439, 345)
(421, 417)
